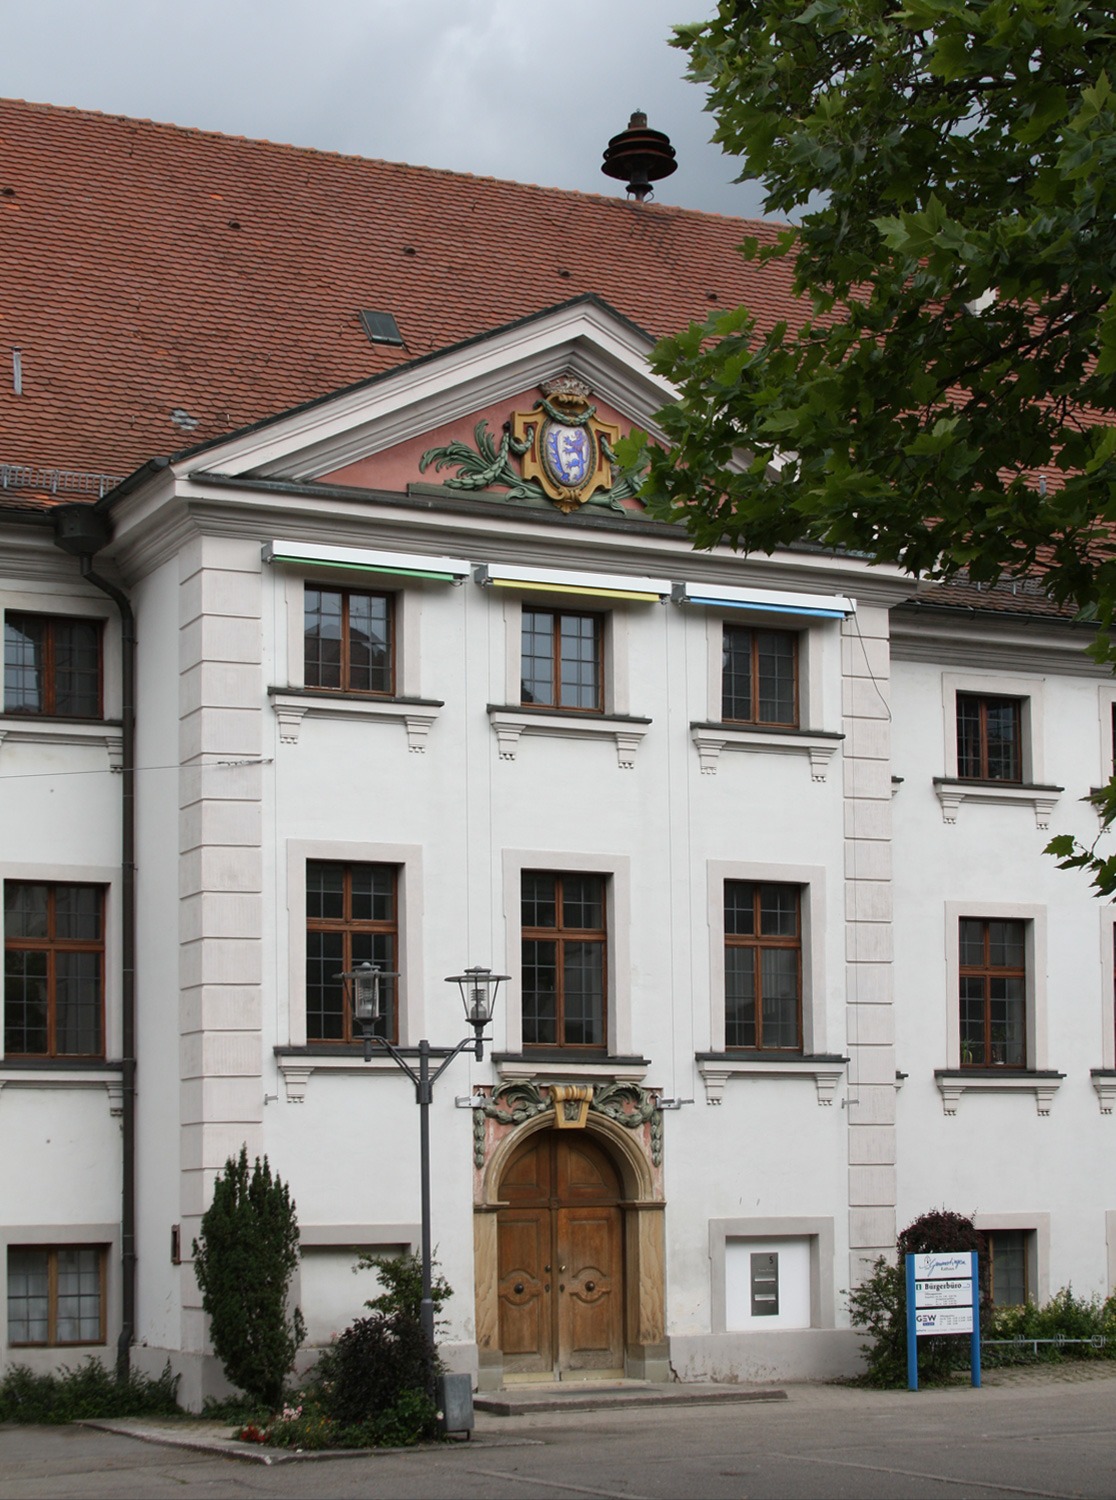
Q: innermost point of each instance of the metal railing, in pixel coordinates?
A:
(68, 481)
(1019, 1343)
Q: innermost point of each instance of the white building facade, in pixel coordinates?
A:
(758, 841)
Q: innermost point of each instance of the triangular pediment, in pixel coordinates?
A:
(448, 419)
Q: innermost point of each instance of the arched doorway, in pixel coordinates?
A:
(560, 1259)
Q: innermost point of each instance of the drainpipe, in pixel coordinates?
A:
(82, 531)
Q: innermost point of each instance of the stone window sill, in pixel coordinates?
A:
(297, 1063)
(510, 724)
(951, 792)
(716, 1068)
(1104, 1081)
(31, 729)
(62, 1073)
(567, 1065)
(292, 705)
(953, 1082)
(818, 744)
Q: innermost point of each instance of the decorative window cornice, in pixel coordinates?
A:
(20, 729)
(951, 792)
(292, 705)
(818, 744)
(716, 1068)
(1104, 1081)
(511, 724)
(953, 1083)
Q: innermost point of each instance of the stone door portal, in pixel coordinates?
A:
(560, 1254)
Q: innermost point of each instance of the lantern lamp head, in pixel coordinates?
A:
(367, 992)
(478, 988)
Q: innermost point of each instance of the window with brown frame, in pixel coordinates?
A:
(351, 919)
(565, 960)
(52, 666)
(763, 966)
(993, 997)
(349, 641)
(54, 966)
(989, 738)
(562, 660)
(56, 1295)
(759, 676)
(1007, 1266)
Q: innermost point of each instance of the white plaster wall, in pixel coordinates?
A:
(997, 1156)
(770, 1150)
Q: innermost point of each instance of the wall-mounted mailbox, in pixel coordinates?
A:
(765, 1284)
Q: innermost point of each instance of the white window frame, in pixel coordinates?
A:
(512, 720)
(62, 1236)
(51, 601)
(108, 878)
(1037, 1227)
(1104, 1077)
(1029, 692)
(43, 729)
(716, 1069)
(1033, 791)
(1106, 701)
(959, 1081)
(406, 621)
(810, 881)
(407, 860)
(805, 738)
(819, 1232)
(810, 703)
(613, 614)
(616, 868)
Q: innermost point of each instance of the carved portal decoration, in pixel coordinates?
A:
(625, 1121)
(565, 454)
(635, 1108)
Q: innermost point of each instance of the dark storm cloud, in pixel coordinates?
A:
(520, 89)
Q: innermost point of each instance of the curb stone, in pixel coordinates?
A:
(219, 1442)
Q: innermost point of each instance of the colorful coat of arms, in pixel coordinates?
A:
(565, 453)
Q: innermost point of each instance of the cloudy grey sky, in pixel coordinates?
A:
(524, 89)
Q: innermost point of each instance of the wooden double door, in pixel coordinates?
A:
(561, 1259)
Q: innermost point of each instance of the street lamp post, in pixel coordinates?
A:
(366, 991)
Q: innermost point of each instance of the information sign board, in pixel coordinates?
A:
(943, 1320)
(943, 1297)
(954, 1293)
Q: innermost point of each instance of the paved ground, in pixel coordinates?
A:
(1035, 1433)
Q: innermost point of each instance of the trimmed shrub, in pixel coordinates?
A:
(244, 1261)
(70, 1395)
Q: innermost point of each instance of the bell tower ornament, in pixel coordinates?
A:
(565, 448)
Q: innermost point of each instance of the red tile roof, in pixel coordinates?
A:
(166, 286)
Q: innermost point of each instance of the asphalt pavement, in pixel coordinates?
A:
(1049, 1433)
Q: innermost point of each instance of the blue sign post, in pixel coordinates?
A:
(943, 1296)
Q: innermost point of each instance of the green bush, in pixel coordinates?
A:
(361, 1377)
(879, 1306)
(368, 1390)
(244, 1261)
(407, 1421)
(401, 1278)
(69, 1395)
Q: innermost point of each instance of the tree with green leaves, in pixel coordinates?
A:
(945, 401)
(244, 1261)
